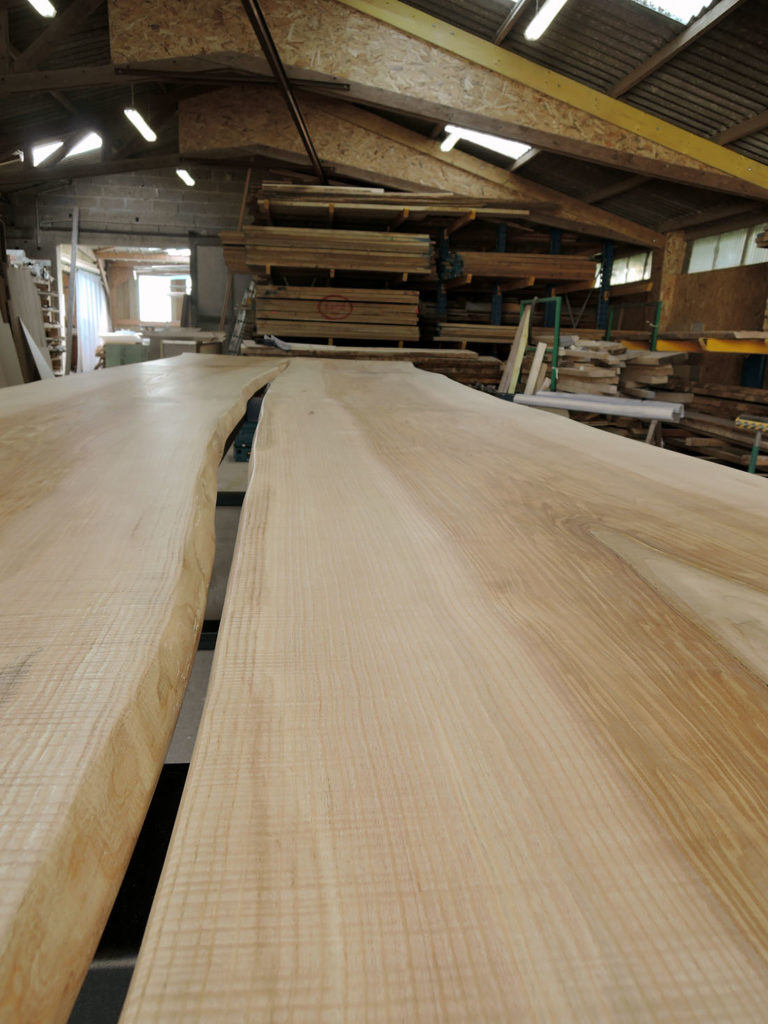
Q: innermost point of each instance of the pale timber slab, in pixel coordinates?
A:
(106, 546)
(486, 737)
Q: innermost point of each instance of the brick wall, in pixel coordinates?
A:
(151, 209)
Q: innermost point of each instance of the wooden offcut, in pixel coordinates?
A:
(486, 737)
(106, 544)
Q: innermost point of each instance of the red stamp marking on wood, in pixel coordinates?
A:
(335, 307)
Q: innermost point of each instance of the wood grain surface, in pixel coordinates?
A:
(106, 546)
(486, 737)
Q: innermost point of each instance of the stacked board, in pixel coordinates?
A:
(709, 429)
(360, 314)
(462, 365)
(475, 334)
(540, 266)
(327, 249)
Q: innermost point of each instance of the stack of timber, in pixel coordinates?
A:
(709, 429)
(361, 314)
(523, 266)
(585, 367)
(475, 334)
(303, 204)
(385, 819)
(260, 249)
(464, 366)
(646, 371)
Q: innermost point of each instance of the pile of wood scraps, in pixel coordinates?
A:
(259, 249)
(360, 314)
(646, 371)
(709, 429)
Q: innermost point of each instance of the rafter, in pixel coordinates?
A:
(600, 195)
(51, 37)
(366, 147)
(511, 20)
(16, 82)
(751, 126)
(441, 73)
(676, 46)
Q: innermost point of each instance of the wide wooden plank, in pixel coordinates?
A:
(106, 545)
(487, 733)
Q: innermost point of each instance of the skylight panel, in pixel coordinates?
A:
(679, 10)
(87, 145)
(507, 147)
(43, 151)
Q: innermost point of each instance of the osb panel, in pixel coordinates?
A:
(328, 38)
(667, 267)
(357, 141)
(725, 300)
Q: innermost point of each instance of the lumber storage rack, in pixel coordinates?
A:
(654, 324)
(558, 301)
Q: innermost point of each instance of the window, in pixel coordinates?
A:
(628, 269)
(160, 297)
(729, 249)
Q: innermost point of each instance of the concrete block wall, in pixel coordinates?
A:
(154, 208)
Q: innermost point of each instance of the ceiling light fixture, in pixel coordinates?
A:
(44, 7)
(547, 14)
(140, 124)
(186, 177)
(507, 147)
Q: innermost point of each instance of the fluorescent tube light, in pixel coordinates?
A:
(186, 177)
(140, 124)
(42, 152)
(87, 145)
(544, 19)
(44, 7)
(507, 147)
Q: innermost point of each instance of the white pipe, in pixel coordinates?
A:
(637, 408)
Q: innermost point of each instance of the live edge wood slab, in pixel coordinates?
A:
(106, 546)
(487, 733)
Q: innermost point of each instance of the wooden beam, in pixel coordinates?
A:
(386, 819)
(680, 43)
(511, 20)
(5, 41)
(441, 73)
(18, 82)
(55, 33)
(751, 126)
(713, 213)
(15, 178)
(619, 189)
(679, 143)
(364, 146)
(96, 653)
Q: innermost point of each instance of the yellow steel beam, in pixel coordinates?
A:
(495, 58)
